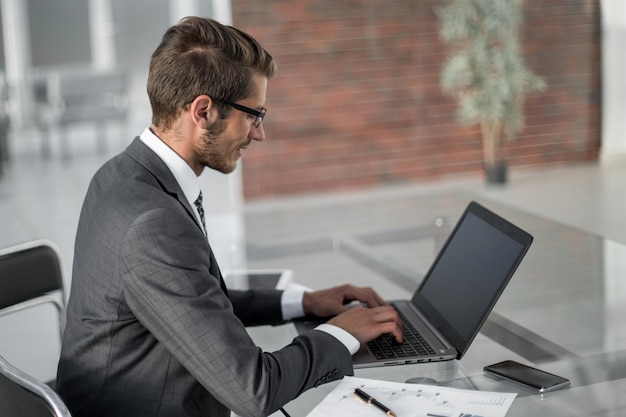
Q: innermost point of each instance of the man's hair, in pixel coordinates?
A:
(201, 56)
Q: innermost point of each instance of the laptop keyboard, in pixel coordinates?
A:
(386, 347)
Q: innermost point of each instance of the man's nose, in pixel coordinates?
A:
(257, 133)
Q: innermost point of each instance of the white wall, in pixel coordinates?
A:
(613, 150)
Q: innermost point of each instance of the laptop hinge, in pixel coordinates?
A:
(430, 327)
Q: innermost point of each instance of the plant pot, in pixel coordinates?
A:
(496, 174)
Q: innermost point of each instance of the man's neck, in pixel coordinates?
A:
(176, 140)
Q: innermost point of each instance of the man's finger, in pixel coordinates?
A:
(365, 295)
(388, 316)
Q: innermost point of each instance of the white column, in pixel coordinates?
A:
(222, 11)
(223, 194)
(613, 151)
(102, 31)
(182, 8)
(614, 292)
(17, 56)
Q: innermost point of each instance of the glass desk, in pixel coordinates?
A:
(563, 311)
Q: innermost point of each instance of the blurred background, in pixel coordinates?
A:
(356, 107)
(357, 101)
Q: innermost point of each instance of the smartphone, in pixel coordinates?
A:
(528, 376)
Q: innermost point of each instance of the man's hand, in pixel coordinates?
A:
(364, 324)
(333, 301)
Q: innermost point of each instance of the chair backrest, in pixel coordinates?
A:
(29, 275)
(22, 395)
(78, 96)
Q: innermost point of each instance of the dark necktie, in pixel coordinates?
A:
(198, 204)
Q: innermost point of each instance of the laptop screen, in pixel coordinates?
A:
(469, 274)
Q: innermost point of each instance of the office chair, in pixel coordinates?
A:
(22, 395)
(30, 275)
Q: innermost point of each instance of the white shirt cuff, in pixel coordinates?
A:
(349, 341)
(291, 303)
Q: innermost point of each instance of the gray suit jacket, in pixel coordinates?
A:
(152, 330)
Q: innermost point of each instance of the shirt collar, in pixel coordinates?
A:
(183, 173)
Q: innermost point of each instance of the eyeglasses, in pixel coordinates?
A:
(258, 114)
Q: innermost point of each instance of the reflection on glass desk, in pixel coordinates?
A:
(563, 311)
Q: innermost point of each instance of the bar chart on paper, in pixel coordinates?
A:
(411, 400)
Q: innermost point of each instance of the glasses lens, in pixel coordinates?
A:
(259, 114)
(260, 117)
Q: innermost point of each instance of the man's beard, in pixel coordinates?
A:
(209, 153)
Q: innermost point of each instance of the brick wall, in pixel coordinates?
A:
(357, 101)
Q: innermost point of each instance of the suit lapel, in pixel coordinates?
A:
(153, 163)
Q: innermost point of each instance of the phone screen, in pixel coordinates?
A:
(527, 375)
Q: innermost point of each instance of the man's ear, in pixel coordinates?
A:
(203, 111)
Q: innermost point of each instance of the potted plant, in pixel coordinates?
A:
(486, 73)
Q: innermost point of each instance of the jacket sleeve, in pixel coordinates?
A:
(257, 307)
(172, 292)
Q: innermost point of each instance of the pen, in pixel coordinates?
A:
(372, 401)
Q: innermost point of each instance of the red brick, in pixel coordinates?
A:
(357, 101)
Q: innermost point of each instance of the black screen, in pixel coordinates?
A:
(526, 375)
(257, 280)
(470, 273)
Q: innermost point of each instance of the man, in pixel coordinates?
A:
(151, 328)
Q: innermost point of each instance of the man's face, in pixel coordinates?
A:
(222, 143)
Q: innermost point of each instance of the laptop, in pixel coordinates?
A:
(456, 295)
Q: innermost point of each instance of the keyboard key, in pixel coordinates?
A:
(386, 347)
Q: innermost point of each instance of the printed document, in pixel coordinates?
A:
(411, 400)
